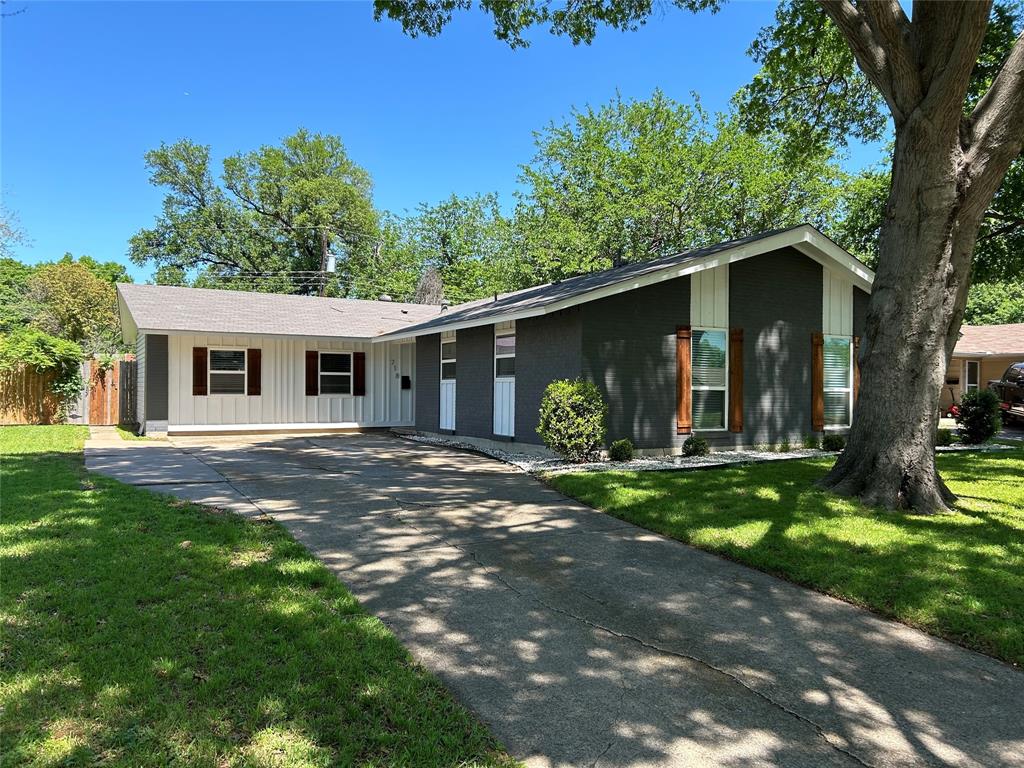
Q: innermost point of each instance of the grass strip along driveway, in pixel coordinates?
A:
(138, 630)
(959, 575)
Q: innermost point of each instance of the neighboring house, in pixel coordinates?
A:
(982, 354)
(745, 342)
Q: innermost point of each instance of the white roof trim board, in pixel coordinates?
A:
(804, 238)
(171, 309)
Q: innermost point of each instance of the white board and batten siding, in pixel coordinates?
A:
(504, 391)
(446, 419)
(837, 304)
(283, 400)
(709, 298)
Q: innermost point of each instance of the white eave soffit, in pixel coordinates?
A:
(805, 239)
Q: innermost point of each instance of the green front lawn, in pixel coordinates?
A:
(959, 575)
(138, 630)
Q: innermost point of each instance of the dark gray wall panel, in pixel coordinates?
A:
(428, 382)
(776, 298)
(547, 348)
(156, 377)
(860, 311)
(474, 377)
(629, 351)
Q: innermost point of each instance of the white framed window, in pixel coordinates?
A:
(709, 377)
(226, 372)
(335, 373)
(838, 355)
(973, 375)
(505, 354)
(448, 353)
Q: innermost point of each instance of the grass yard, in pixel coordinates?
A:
(138, 630)
(960, 576)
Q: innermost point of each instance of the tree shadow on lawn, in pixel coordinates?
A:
(958, 575)
(141, 630)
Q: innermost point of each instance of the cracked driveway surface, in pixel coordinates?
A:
(582, 640)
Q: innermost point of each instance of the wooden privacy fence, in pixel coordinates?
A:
(109, 396)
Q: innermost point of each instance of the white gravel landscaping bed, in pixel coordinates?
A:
(537, 464)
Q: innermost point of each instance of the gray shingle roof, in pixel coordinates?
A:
(206, 310)
(991, 340)
(543, 295)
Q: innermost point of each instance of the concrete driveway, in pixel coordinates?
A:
(582, 640)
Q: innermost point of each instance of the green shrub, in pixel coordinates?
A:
(33, 348)
(696, 446)
(572, 416)
(944, 437)
(785, 446)
(833, 442)
(621, 450)
(811, 442)
(979, 418)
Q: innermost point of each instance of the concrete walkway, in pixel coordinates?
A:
(582, 640)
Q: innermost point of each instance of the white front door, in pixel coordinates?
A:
(505, 380)
(446, 420)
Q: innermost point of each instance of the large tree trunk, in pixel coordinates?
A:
(913, 320)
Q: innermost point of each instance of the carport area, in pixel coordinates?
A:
(583, 640)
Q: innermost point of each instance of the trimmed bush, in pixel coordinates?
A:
(944, 437)
(979, 418)
(696, 446)
(621, 450)
(834, 443)
(572, 419)
(812, 442)
(785, 446)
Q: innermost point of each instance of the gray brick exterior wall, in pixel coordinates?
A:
(547, 348)
(474, 377)
(156, 379)
(428, 382)
(629, 351)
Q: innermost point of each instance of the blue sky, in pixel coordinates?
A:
(87, 88)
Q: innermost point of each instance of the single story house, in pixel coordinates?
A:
(749, 341)
(982, 354)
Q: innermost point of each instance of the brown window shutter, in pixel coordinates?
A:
(817, 382)
(736, 380)
(359, 374)
(312, 372)
(684, 417)
(856, 367)
(199, 371)
(254, 364)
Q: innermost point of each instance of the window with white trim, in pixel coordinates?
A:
(838, 356)
(226, 372)
(448, 353)
(505, 355)
(973, 376)
(709, 377)
(335, 373)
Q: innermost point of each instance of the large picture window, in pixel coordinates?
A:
(838, 354)
(505, 356)
(335, 373)
(227, 372)
(709, 372)
(448, 353)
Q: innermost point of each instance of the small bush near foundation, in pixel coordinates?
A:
(811, 442)
(621, 450)
(572, 419)
(943, 438)
(978, 419)
(833, 443)
(696, 446)
(784, 446)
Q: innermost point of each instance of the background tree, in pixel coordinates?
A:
(275, 212)
(633, 180)
(826, 67)
(11, 232)
(16, 308)
(995, 303)
(74, 304)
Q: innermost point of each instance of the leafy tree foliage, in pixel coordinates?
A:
(16, 309)
(74, 304)
(274, 212)
(633, 180)
(11, 233)
(39, 350)
(995, 303)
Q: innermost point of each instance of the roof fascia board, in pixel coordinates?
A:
(805, 238)
(200, 332)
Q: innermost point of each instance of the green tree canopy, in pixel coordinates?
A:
(73, 303)
(273, 213)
